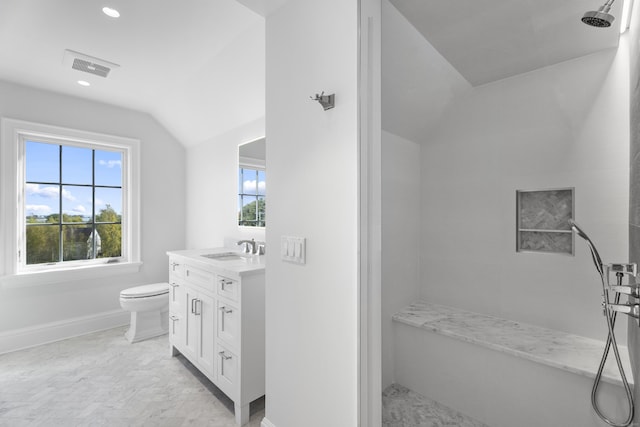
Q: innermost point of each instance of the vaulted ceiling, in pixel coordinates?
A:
(197, 66)
(488, 40)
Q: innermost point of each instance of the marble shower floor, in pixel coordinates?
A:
(402, 407)
(102, 380)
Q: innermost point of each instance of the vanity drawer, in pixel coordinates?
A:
(177, 330)
(176, 296)
(227, 371)
(176, 268)
(228, 323)
(198, 277)
(228, 288)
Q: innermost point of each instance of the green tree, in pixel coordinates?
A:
(43, 243)
(250, 217)
(110, 234)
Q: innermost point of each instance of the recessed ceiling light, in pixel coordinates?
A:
(84, 83)
(110, 12)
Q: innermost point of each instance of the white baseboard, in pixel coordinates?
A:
(32, 336)
(266, 423)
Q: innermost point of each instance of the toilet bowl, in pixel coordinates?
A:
(149, 307)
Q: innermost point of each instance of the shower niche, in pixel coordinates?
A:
(543, 221)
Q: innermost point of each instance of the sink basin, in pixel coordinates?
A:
(225, 256)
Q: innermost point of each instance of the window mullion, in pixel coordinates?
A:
(94, 232)
(60, 234)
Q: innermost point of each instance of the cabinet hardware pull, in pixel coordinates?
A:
(173, 324)
(198, 302)
(224, 283)
(174, 265)
(173, 285)
(193, 310)
(224, 311)
(224, 357)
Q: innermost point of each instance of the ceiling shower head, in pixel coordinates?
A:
(600, 18)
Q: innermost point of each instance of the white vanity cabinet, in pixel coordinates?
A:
(216, 314)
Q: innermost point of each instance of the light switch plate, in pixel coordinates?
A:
(293, 249)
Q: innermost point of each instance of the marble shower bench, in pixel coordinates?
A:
(503, 372)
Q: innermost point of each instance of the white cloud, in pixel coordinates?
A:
(249, 186)
(110, 163)
(99, 202)
(66, 194)
(48, 192)
(38, 209)
(79, 209)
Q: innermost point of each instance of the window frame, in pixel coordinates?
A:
(257, 165)
(14, 271)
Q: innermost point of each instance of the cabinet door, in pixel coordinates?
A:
(205, 309)
(192, 326)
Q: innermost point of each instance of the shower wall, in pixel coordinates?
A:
(417, 85)
(562, 126)
(634, 193)
(400, 236)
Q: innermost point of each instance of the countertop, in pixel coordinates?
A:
(249, 264)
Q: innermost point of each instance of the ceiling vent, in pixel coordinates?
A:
(88, 64)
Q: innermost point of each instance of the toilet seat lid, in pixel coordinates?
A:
(146, 290)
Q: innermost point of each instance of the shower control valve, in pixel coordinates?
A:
(633, 290)
(632, 310)
(630, 268)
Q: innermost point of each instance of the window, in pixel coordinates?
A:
(71, 198)
(73, 203)
(252, 159)
(251, 197)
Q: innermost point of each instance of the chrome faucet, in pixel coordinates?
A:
(249, 246)
(252, 247)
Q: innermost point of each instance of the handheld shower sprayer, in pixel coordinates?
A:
(610, 313)
(594, 252)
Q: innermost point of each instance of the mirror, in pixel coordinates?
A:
(252, 158)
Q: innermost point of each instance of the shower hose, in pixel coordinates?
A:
(611, 343)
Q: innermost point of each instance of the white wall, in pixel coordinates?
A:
(312, 161)
(162, 206)
(633, 43)
(401, 222)
(418, 84)
(212, 189)
(561, 126)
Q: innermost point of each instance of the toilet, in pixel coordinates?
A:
(149, 307)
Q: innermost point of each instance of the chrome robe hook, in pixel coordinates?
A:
(327, 101)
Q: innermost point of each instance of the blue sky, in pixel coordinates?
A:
(43, 166)
(251, 185)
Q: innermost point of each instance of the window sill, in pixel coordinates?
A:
(48, 277)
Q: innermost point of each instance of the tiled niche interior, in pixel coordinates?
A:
(543, 220)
